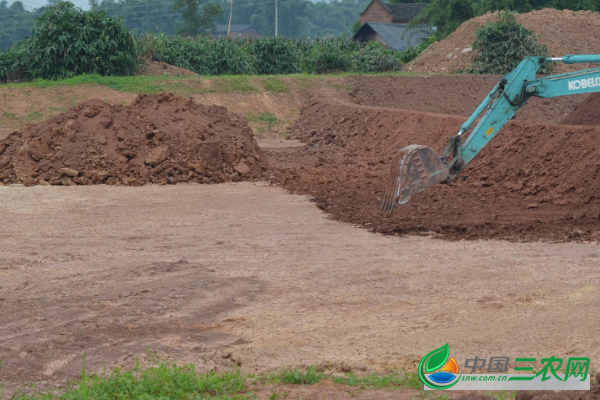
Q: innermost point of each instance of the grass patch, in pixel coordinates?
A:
(34, 116)
(172, 382)
(159, 382)
(6, 114)
(240, 84)
(157, 84)
(374, 381)
(296, 377)
(264, 120)
(275, 85)
(133, 84)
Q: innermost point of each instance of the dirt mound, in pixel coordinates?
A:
(533, 181)
(157, 139)
(563, 32)
(588, 112)
(158, 68)
(456, 95)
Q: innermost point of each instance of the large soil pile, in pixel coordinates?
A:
(563, 32)
(158, 138)
(588, 112)
(533, 181)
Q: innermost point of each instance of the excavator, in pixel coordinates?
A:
(416, 167)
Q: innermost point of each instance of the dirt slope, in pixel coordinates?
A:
(456, 95)
(587, 113)
(158, 138)
(534, 181)
(563, 32)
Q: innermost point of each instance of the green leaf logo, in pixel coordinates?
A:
(437, 358)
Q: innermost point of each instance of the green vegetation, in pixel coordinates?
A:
(294, 376)
(71, 42)
(132, 84)
(169, 381)
(503, 44)
(271, 55)
(275, 85)
(68, 42)
(158, 382)
(34, 116)
(297, 18)
(241, 84)
(375, 381)
(198, 16)
(275, 56)
(265, 120)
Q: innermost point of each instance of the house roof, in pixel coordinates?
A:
(234, 28)
(399, 37)
(401, 11)
(406, 11)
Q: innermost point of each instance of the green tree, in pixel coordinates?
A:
(69, 42)
(356, 26)
(503, 44)
(198, 16)
(446, 15)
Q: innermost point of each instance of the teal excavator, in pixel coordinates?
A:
(416, 167)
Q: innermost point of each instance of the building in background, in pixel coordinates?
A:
(387, 23)
(388, 13)
(237, 31)
(397, 37)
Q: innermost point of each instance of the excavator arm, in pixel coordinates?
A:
(415, 168)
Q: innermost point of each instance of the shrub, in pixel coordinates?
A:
(373, 57)
(275, 56)
(69, 42)
(7, 66)
(503, 44)
(204, 55)
(329, 55)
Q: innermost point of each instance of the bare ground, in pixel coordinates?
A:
(248, 274)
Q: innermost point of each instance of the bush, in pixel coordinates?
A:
(7, 67)
(373, 57)
(270, 56)
(275, 56)
(69, 42)
(204, 55)
(329, 55)
(503, 44)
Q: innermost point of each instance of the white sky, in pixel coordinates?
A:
(29, 4)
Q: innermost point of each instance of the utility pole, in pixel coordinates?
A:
(275, 18)
(230, 14)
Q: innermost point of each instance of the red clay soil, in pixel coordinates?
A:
(587, 113)
(563, 32)
(534, 181)
(157, 139)
(457, 95)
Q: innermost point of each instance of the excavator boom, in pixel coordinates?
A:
(416, 168)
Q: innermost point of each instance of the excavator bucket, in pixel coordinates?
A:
(414, 169)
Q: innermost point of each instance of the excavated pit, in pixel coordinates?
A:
(535, 181)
